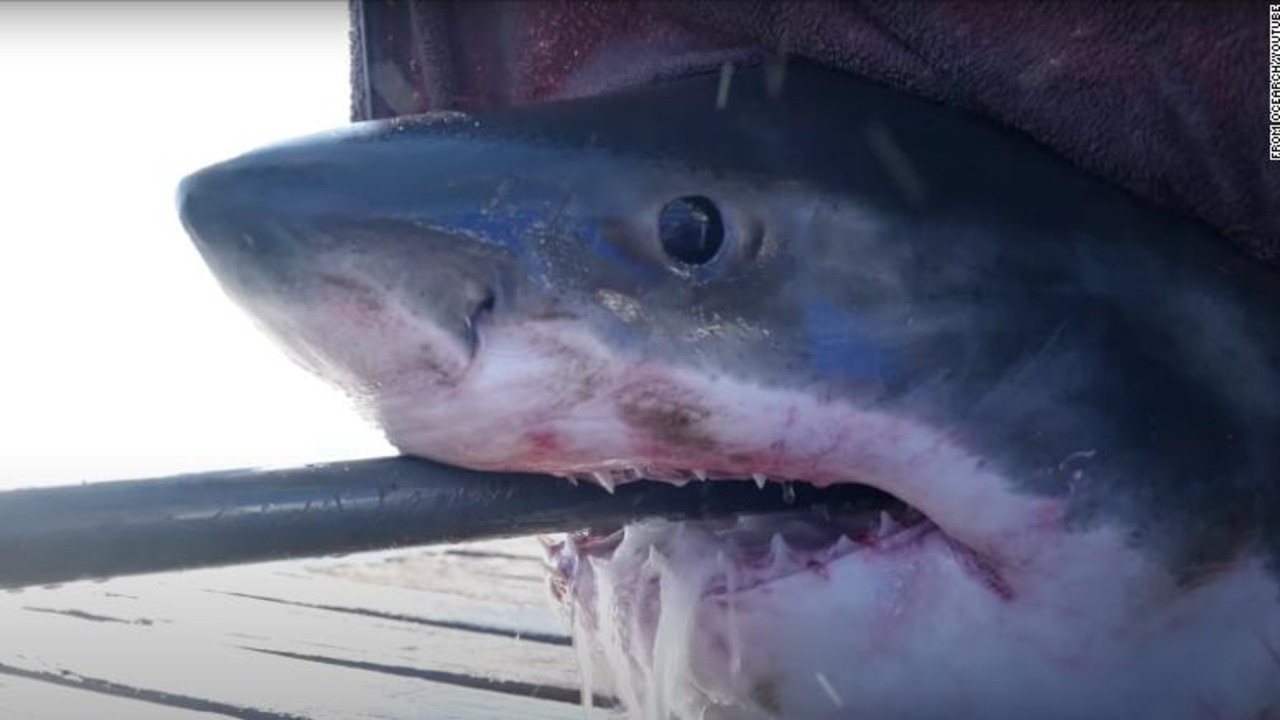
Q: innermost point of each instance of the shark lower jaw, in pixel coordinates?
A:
(645, 573)
(701, 601)
(684, 616)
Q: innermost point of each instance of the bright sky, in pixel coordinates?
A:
(119, 355)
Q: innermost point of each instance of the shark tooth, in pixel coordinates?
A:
(887, 526)
(606, 481)
(843, 545)
(779, 551)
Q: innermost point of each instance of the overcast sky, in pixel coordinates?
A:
(119, 355)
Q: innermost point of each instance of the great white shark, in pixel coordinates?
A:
(1070, 398)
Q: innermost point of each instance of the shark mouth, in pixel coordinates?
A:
(758, 549)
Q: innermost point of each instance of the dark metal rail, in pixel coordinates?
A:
(100, 530)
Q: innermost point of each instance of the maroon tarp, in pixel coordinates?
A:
(1166, 99)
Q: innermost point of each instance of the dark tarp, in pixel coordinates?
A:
(1166, 99)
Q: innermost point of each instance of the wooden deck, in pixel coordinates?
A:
(461, 632)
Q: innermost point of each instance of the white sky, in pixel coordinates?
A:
(119, 355)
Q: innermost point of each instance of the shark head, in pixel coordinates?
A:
(1069, 399)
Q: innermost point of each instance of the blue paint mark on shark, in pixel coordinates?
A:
(838, 345)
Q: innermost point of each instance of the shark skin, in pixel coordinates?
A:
(1071, 396)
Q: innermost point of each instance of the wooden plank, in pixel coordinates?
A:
(454, 600)
(176, 614)
(338, 638)
(428, 587)
(253, 666)
(29, 699)
(490, 572)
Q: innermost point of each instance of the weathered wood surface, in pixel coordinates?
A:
(453, 632)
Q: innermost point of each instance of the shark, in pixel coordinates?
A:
(1067, 400)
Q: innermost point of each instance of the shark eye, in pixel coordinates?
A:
(691, 229)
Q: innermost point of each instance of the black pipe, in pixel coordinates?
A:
(100, 530)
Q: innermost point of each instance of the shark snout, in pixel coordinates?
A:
(248, 218)
(369, 189)
(365, 253)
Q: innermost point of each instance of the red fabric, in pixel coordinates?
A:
(1166, 99)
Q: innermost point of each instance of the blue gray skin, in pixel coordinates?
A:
(1080, 392)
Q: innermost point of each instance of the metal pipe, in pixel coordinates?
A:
(106, 529)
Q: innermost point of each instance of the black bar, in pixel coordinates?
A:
(100, 530)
